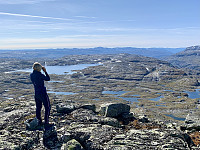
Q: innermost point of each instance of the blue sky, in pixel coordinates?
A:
(31, 24)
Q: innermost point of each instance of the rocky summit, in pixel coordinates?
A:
(85, 127)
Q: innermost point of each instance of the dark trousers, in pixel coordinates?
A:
(39, 100)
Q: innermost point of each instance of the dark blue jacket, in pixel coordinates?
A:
(38, 79)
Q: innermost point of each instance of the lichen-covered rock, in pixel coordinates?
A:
(64, 108)
(72, 145)
(8, 109)
(164, 72)
(187, 82)
(148, 139)
(93, 136)
(89, 106)
(114, 110)
(32, 124)
(83, 128)
(143, 119)
(50, 139)
(109, 121)
(66, 137)
(85, 115)
(192, 122)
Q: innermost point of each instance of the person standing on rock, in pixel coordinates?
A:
(41, 96)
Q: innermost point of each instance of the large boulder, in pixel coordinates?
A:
(114, 110)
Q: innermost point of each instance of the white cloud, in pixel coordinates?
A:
(32, 16)
(85, 17)
(22, 1)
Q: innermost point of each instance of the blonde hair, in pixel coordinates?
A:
(37, 66)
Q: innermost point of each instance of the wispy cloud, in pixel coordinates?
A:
(33, 16)
(85, 17)
(22, 1)
(185, 29)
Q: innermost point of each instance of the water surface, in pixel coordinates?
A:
(175, 118)
(157, 98)
(194, 94)
(60, 70)
(61, 93)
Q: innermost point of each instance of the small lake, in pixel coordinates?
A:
(131, 99)
(161, 105)
(61, 70)
(157, 98)
(119, 93)
(62, 93)
(193, 95)
(175, 118)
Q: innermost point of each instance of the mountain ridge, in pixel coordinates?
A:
(56, 53)
(189, 58)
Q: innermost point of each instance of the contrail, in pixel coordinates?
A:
(32, 16)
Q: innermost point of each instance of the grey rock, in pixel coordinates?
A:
(126, 118)
(50, 139)
(9, 109)
(143, 119)
(114, 110)
(164, 72)
(32, 124)
(72, 145)
(84, 115)
(89, 106)
(149, 139)
(192, 121)
(65, 108)
(187, 82)
(93, 136)
(109, 121)
(66, 137)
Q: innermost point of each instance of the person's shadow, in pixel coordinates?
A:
(50, 139)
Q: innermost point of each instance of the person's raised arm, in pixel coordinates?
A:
(46, 78)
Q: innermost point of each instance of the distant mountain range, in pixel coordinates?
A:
(189, 58)
(57, 53)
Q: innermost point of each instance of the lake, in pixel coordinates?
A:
(61, 70)
(175, 118)
(119, 93)
(61, 93)
(193, 95)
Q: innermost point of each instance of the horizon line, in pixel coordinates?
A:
(94, 48)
